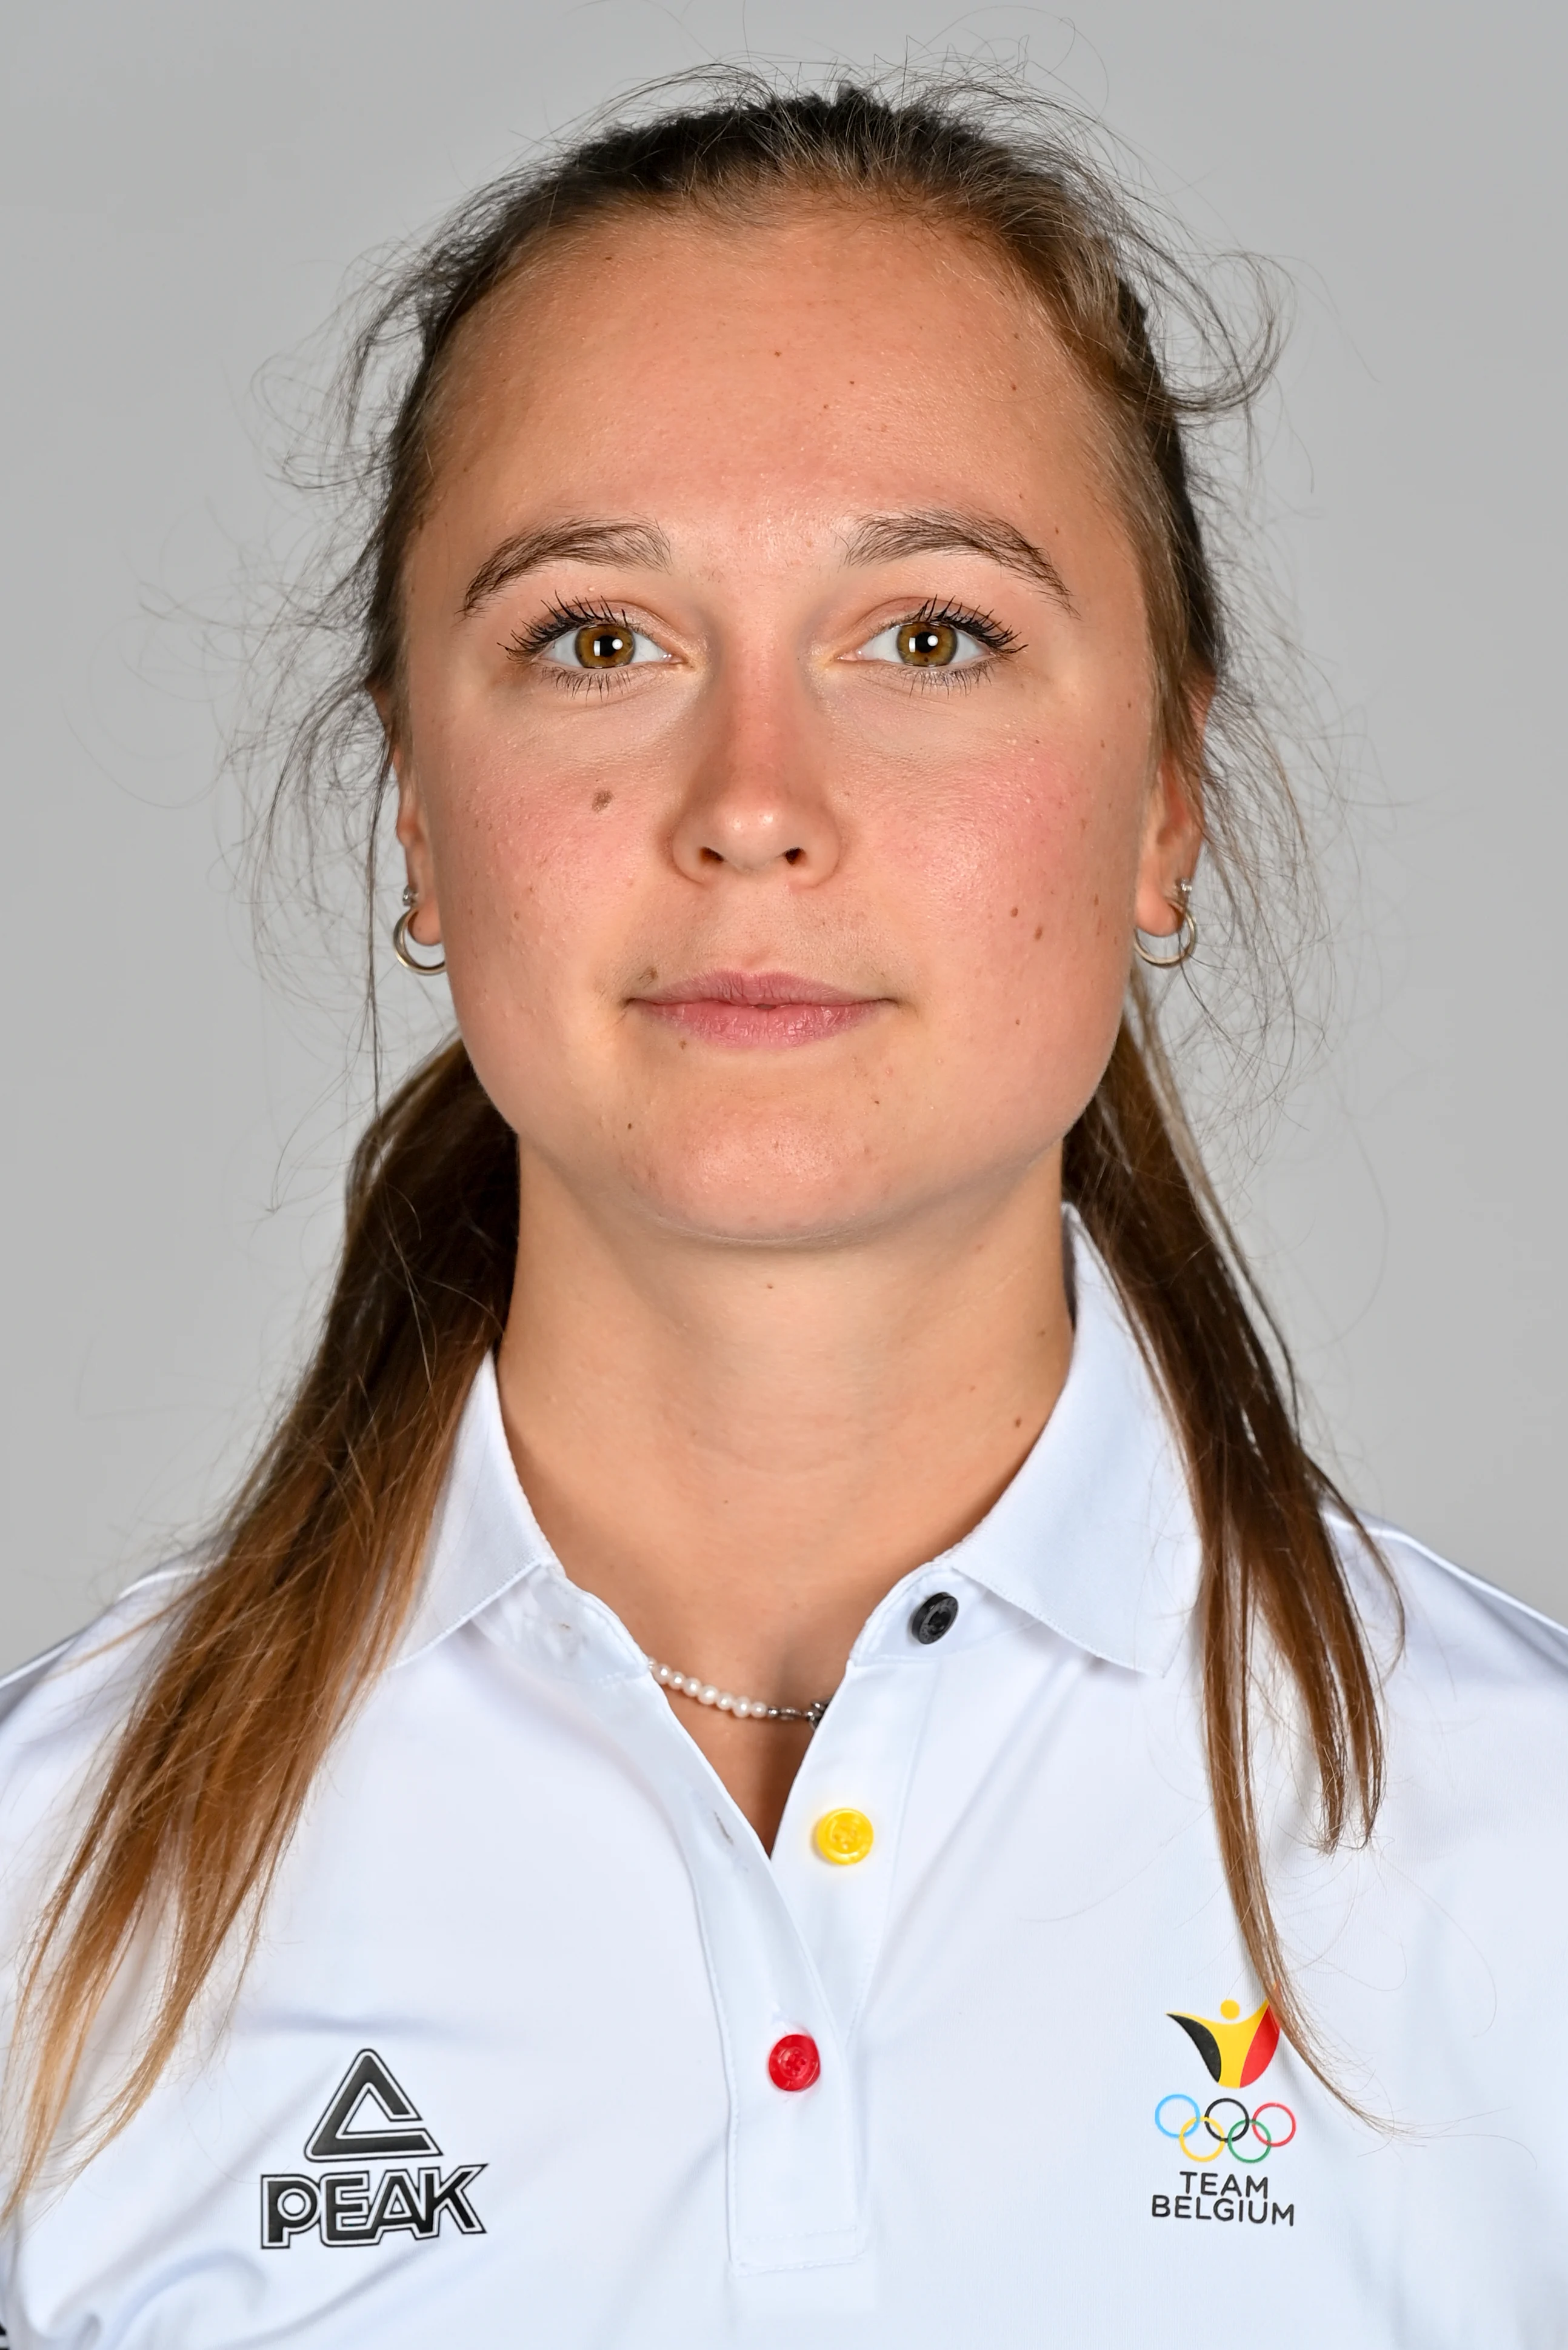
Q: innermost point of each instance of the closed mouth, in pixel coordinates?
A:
(756, 1007)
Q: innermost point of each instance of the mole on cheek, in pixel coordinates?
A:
(602, 800)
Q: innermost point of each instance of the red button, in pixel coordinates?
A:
(794, 2062)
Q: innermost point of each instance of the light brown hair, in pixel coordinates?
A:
(313, 1570)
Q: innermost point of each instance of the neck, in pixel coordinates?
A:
(742, 1450)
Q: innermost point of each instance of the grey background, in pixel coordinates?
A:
(184, 184)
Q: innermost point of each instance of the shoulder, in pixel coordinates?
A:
(1455, 1624)
(1475, 1682)
(58, 1712)
(87, 1658)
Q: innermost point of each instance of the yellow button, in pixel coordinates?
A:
(844, 1837)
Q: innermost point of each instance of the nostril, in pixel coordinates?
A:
(746, 856)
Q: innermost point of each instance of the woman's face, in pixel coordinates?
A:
(776, 751)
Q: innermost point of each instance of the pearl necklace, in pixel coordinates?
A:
(744, 1708)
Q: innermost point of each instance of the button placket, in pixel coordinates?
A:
(787, 1966)
(857, 1769)
(793, 2158)
(793, 2168)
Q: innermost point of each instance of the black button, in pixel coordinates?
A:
(932, 1617)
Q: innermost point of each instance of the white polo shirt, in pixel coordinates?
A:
(506, 2068)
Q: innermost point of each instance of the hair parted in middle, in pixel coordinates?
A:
(312, 1573)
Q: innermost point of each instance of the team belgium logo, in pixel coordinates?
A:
(369, 2118)
(1238, 2047)
(1237, 2051)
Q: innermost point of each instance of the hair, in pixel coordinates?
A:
(266, 1650)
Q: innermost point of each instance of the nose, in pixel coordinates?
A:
(756, 802)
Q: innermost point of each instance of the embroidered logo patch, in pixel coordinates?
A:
(1237, 2050)
(369, 2118)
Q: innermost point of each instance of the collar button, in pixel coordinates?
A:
(933, 1618)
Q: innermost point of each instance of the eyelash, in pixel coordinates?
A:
(556, 619)
(993, 634)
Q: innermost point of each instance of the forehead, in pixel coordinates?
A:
(835, 356)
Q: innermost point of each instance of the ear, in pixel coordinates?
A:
(414, 835)
(1173, 825)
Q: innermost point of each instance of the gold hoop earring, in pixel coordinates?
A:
(400, 940)
(1185, 934)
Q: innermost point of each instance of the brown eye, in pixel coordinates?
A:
(928, 644)
(602, 647)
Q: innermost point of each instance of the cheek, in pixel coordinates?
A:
(527, 848)
(535, 886)
(1029, 873)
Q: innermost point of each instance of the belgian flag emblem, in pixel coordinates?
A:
(1235, 2047)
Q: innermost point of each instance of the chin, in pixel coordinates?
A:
(777, 1188)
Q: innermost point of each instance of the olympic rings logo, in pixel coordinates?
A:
(1227, 2138)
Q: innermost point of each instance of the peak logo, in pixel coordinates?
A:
(369, 2118)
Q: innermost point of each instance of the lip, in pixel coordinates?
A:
(751, 1008)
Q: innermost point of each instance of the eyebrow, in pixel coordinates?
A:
(881, 538)
(638, 543)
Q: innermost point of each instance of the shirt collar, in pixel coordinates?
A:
(1094, 1536)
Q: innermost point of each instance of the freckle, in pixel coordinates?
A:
(683, 1044)
(1039, 932)
(1018, 1423)
(602, 800)
(1013, 910)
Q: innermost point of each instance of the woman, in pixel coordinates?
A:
(785, 1739)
